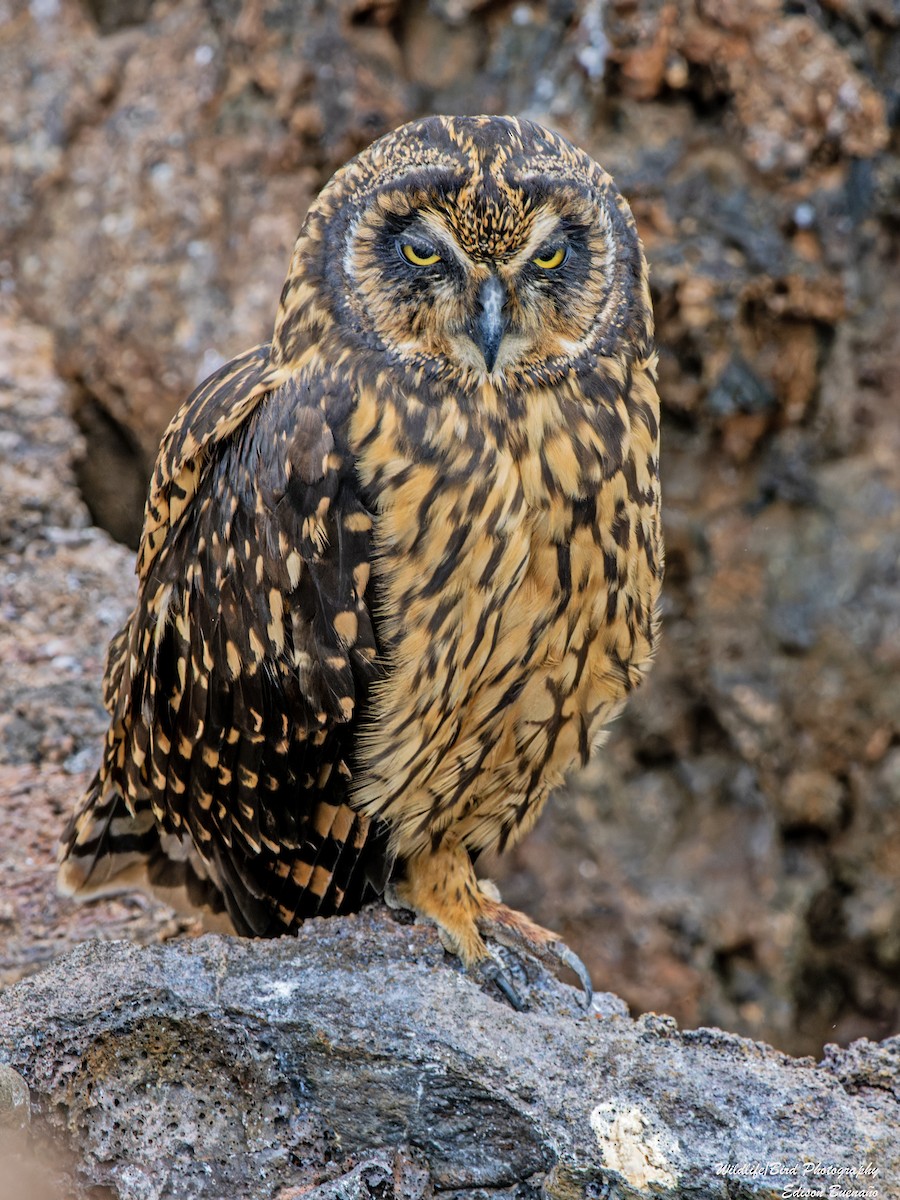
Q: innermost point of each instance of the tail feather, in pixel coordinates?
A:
(106, 849)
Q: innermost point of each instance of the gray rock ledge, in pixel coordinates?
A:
(357, 1061)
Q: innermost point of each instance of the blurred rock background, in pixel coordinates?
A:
(734, 858)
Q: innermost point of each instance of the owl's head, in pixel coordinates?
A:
(470, 247)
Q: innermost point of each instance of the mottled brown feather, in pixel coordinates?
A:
(392, 589)
(232, 689)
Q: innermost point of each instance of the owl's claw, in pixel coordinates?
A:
(518, 932)
(440, 885)
(566, 957)
(490, 971)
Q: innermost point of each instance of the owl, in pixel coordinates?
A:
(400, 565)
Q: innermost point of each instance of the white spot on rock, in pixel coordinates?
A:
(278, 989)
(635, 1144)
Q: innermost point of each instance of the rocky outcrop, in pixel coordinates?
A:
(65, 588)
(357, 1061)
(734, 857)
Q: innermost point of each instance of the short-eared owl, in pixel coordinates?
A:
(400, 565)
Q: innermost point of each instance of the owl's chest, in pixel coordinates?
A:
(494, 586)
(456, 534)
(513, 616)
(516, 608)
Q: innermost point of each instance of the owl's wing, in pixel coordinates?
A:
(235, 688)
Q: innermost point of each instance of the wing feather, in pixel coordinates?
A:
(236, 686)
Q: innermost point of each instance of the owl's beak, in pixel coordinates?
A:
(490, 321)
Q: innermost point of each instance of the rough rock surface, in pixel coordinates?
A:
(734, 858)
(357, 1061)
(65, 588)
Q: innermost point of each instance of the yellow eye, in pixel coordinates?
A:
(418, 260)
(555, 259)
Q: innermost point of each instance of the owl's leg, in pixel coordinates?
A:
(442, 886)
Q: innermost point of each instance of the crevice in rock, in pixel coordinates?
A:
(113, 472)
(112, 15)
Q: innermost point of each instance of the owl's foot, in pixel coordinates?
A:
(518, 932)
(442, 886)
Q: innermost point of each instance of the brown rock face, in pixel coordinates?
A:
(181, 169)
(733, 858)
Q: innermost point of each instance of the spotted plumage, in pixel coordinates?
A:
(400, 566)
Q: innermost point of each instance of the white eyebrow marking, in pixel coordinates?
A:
(443, 236)
(545, 224)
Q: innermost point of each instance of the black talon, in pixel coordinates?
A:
(495, 974)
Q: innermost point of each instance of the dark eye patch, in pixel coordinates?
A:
(398, 231)
(574, 267)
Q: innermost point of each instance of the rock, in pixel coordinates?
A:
(65, 588)
(793, 88)
(167, 108)
(382, 1173)
(15, 1102)
(357, 1060)
(810, 799)
(155, 162)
